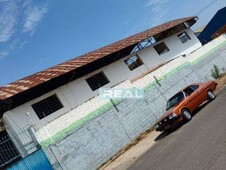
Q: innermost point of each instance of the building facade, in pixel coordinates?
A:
(39, 99)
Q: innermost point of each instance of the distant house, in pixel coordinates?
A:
(215, 27)
(198, 30)
(42, 97)
(222, 30)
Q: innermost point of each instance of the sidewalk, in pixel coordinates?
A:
(132, 154)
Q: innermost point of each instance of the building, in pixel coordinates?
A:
(214, 28)
(219, 32)
(37, 100)
(198, 30)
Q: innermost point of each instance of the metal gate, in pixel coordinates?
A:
(8, 151)
(35, 161)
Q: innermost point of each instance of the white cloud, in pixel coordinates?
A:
(3, 54)
(126, 22)
(27, 3)
(152, 2)
(16, 43)
(8, 19)
(159, 17)
(158, 10)
(33, 16)
(17, 19)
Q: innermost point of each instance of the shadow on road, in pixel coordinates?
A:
(168, 132)
(180, 124)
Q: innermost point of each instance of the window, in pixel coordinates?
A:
(194, 87)
(98, 80)
(161, 48)
(133, 62)
(174, 100)
(47, 106)
(188, 90)
(143, 44)
(184, 37)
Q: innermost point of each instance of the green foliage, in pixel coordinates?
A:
(215, 72)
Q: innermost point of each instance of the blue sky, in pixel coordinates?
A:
(35, 35)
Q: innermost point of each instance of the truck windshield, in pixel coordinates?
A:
(176, 99)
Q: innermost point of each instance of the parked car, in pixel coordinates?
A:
(181, 105)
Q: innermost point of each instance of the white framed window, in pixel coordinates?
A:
(47, 106)
(98, 80)
(184, 37)
(161, 48)
(133, 62)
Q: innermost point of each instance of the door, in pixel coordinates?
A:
(193, 98)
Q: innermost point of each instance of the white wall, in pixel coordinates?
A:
(77, 92)
(176, 48)
(19, 119)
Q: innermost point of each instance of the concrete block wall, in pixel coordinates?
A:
(135, 116)
(94, 142)
(203, 68)
(91, 144)
(76, 114)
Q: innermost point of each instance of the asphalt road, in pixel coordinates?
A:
(198, 145)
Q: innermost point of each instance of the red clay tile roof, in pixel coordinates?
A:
(29, 82)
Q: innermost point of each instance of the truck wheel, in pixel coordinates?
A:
(210, 95)
(186, 115)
